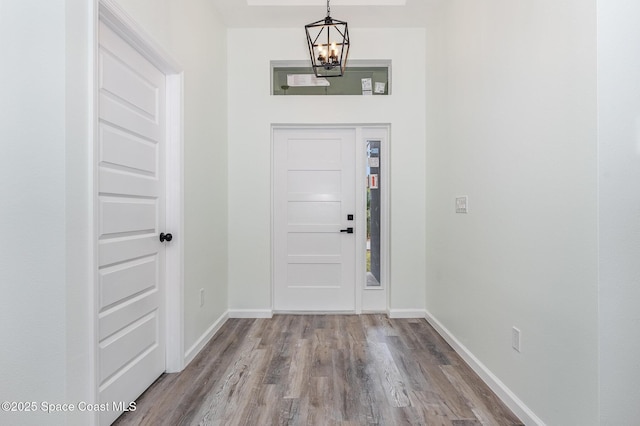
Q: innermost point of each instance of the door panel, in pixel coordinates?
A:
(315, 272)
(130, 156)
(116, 387)
(314, 191)
(127, 279)
(123, 115)
(128, 314)
(314, 243)
(320, 152)
(127, 150)
(305, 212)
(116, 250)
(124, 183)
(127, 344)
(120, 215)
(119, 80)
(314, 182)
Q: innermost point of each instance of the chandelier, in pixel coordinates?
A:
(328, 41)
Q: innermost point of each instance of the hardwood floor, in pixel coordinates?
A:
(323, 370)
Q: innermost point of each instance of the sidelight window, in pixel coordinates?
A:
(373, 214)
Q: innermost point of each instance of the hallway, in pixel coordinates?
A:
(323, 369)
(528, 110)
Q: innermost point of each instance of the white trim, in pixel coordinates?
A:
(385, 221)
(112, 14)
(315, 312)
(93, 226)
(406, 313)
(495, 384)
(194, 350)
(360, 222)
(272, 219)
(250, 313)
(125, 27)
(174, 263)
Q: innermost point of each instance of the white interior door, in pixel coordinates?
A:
(131, 193)
(314, 194)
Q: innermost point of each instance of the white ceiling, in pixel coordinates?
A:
(297, 13)
(323, 3)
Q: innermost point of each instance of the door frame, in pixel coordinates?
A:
(363, 132)
(111, 14)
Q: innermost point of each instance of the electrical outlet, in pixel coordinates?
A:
(201, 297)
(515, 339)
(462, 204)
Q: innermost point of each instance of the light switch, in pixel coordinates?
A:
(461, 204)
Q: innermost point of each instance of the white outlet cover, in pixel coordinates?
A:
(462, 204)
(515, 339)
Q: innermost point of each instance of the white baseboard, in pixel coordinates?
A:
(406, 313)
(250, 313)
(500, 389)
(204, 339)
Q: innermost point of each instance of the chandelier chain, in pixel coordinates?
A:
(328, 9)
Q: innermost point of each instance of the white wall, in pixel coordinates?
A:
(194, 35)
(619, 185)
(252, 111)
(511, 89)
(32, 210)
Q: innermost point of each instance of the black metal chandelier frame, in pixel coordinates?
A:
(328, 41)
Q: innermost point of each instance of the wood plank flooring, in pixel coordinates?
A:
(323, 370)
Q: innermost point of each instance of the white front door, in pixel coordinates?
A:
(131, 214)
(314, 208)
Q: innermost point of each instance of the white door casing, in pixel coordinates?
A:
(130, 292)
(314, 192)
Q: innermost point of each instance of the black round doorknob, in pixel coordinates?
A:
(165, 237)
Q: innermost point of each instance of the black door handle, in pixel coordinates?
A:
(348, 230)
(165, 237)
